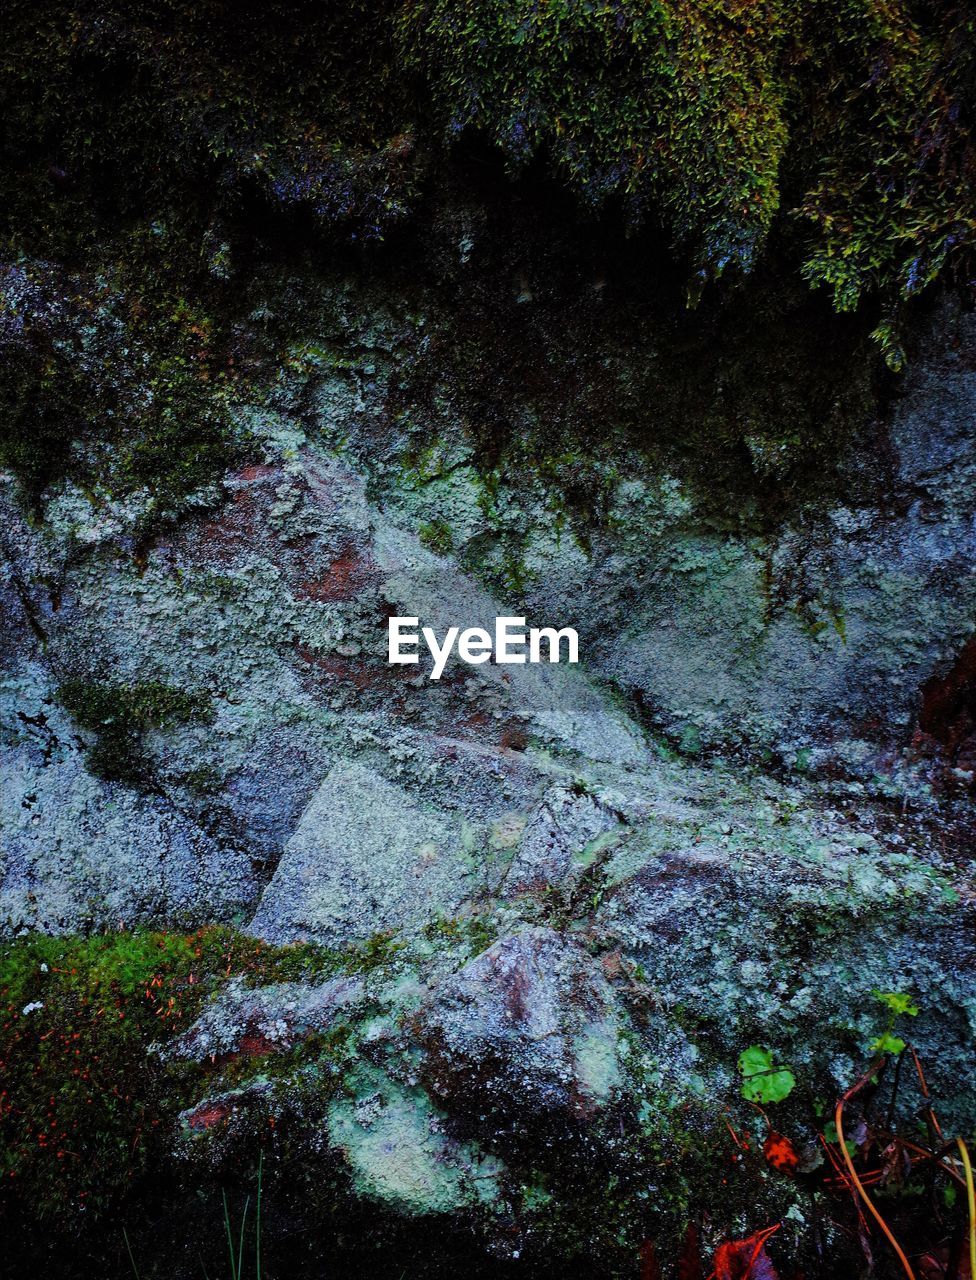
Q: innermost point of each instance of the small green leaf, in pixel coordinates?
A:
(762, 1081)
(897, 1002)
(830, 1133)
(887, 1043)
(754, 1059)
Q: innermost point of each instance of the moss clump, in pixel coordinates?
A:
(436, 535)
(154, 153)
(676, 108)
(86, 1105)
(705, 114)
(849, 121)
(115, 107)
(474, 933)
(887, 154)
(120, 715)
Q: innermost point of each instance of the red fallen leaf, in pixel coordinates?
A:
(780, 1152)
(938, 1265)
(745, 1259)
(689, 1261)
(649, 1268)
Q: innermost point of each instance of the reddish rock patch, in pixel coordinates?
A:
(514, 738)
(359, 673)
(948, 712)
(350, 573)
(256, 1045)
(209, 1114)
(239, 527)
(257, 471)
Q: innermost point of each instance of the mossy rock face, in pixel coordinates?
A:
(313, 315)
(550, 846)
(118, 394)
(646, 897)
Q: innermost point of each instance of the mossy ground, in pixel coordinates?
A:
(89, 1103)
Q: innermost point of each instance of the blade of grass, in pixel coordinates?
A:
(971, 1197)
(132, 1261)
(230, 1238)
(257, 1219)
(240, 1247)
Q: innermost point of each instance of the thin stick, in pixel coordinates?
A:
(735, 1137)
(844, 1181)
(925, 1092)
(846, 1157)
(894, 1091)
(936, 1156)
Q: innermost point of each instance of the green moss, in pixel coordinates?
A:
(85, 1103)
(622, 98)
(120, 715)
(475, 933)
(194, 109)
(310, 962)
(755, 402)
(705, 114)
(437, 536)
(315, 1064)
(110, 381)
(153, 154)
(375, 952)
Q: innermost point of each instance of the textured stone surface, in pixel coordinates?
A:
(564, 836)
(565, 899)
(398, 1152)
(247, 1020)
(532, 1018)
(80, 853)
(365, 859)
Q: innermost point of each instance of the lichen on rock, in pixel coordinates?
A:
(311, 317)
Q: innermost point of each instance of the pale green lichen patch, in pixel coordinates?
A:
(397, 1149)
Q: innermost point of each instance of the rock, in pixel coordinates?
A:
(759, 947)
(366, 858)
(564, 835)
(723, 828)
(254, 1021)
(531, 1019)
(79, 853)
(224, 1118)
